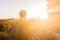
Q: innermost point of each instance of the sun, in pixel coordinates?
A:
(38, 11)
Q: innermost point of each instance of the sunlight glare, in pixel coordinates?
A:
(38, 11)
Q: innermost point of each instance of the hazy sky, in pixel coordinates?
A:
(11, 8)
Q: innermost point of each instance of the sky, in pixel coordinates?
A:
(11, 8)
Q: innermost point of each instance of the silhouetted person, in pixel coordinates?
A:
(22, 19)
(16, 26)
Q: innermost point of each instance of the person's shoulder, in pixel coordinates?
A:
(13, 21)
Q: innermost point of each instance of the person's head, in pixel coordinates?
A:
(22, 13)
